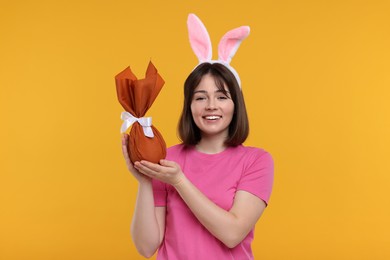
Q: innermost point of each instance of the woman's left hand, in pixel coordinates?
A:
(167, 171)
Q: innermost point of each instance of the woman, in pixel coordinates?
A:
(204, 199)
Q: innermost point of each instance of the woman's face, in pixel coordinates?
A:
(211, 109)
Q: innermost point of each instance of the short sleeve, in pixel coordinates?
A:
(159, 193)
(258, 175)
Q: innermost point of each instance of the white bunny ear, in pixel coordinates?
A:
(230, 42)
(199, 38)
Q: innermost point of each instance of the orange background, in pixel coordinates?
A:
(316, 77)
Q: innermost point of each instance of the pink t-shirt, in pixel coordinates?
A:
(218, 176)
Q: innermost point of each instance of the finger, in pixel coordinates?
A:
(125, 152)
(152, 166)
(127, 158)
(167, 163)
(124, 145)
(125, 139)
(147, 172)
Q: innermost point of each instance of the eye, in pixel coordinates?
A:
(222, 97)
(199, 98)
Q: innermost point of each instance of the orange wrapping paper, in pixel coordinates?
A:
(136, 97)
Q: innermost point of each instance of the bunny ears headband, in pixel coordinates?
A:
(228, 45)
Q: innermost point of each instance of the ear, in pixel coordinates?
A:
(230, 42)
(199, 38)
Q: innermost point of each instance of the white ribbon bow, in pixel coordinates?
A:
(145, 122)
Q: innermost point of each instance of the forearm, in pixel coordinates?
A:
(224, 225)
(145, 229)
(230, 227)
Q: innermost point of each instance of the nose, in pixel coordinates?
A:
(211, 104)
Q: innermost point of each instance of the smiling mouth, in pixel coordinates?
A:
(212, 117)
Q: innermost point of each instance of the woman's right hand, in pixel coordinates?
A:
(139, 176)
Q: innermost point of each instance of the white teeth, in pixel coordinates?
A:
(212, 117)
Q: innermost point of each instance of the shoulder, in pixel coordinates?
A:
(258, 173)
(254, 155)
(251, 152)
(175, 148)
(176, 151)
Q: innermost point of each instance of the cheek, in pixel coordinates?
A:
(230, 109)
(193, 113)
(194, 109)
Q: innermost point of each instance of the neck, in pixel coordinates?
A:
(211, 145)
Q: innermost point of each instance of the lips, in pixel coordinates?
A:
(212, 117)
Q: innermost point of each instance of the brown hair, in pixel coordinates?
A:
(189, 133)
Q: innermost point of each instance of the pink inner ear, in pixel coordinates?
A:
(230, 42)
(199, 38)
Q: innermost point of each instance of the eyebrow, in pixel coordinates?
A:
(205, 92)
